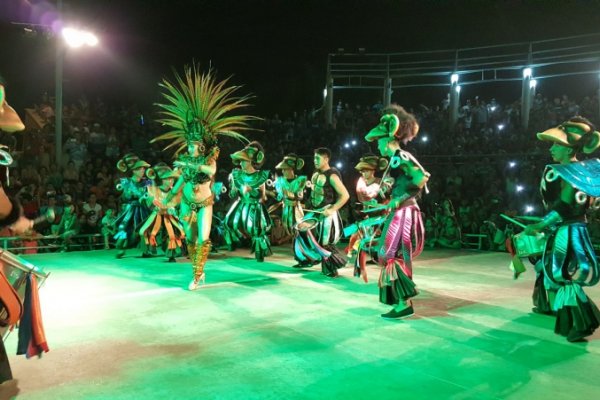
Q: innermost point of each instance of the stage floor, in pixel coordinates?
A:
(127, 329)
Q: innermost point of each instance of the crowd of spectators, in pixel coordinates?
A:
(483, 166)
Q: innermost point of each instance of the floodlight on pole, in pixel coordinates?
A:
(77, 38)
(527, 72)
(458, 88)
(532, 84)
(454, 79)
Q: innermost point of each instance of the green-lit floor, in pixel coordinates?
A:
(126, 329)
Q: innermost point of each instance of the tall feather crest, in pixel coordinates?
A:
(197, 107)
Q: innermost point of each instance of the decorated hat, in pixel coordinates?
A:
(161, 171)
(291, 161)
(199, 108)
(396, 123)
(9, 119)
(372, 162)
(129, 162)
(253, 152)
(577, 133)
(388, 126)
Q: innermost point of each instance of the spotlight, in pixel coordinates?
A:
(527, 73)
(77, 38)
(454, 78)
(457, 88)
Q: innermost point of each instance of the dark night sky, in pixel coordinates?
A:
(277, 49)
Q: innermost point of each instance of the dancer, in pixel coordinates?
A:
(403, 234)
(134, 211)
(198, 111)
(248, 217)
(328, 195)
(164, 217)
(290, 192)
(11, 214)
(370, 194)
(569, 262)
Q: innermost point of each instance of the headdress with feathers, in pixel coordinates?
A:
(197, 109)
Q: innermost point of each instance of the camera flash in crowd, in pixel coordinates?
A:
(500, 127)
(520, 188)
(347, 145)
(424, 139)
(339, 165)
(354, 143)
(529, 209)
(512, 164)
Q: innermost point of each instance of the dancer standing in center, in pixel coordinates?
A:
(248, 217)
(198, 111)
(403, 234)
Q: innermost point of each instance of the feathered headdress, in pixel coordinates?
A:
(197, 109)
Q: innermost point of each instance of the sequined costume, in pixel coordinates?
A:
(163, 221)
(569, 261)
(134, 211)
(197, 109)
(248, 217)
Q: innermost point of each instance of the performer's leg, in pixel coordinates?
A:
(203, 244)
(329, 230)
(541, 297)
(5, 371)
(395, 282)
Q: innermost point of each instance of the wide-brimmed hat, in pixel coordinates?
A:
(253, 153)
(130, 162)
(291, 161)
(161, 171)
(372, 162)
(9, 119)
(574, 133)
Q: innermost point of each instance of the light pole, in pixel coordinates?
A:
(72, 38)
